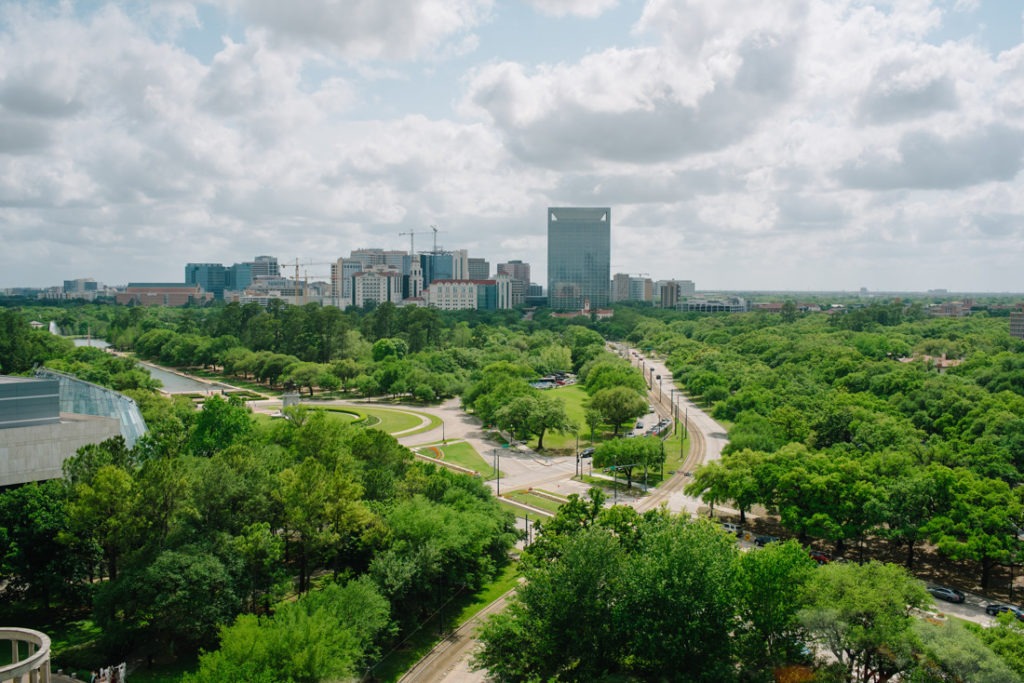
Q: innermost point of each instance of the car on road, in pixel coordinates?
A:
(946, 593)
(587, 452)
(996, 609)
(733, 528)
(819, 557)
(764, 539)
(639, 424)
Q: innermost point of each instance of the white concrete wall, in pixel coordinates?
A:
(37, 453)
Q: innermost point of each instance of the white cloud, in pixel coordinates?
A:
(580, 8)
(741, 144)
(367, 29)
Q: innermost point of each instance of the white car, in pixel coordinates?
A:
(732, 528)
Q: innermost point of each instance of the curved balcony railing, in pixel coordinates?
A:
(34, 668)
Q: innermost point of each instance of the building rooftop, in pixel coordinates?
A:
(161, 285)
(9, 379)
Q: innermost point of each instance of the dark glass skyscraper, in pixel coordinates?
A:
(579, 257)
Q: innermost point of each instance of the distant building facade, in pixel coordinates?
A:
(1017, 324)
(216, 278)
(212, 277)
(377, 284)
(460, 295)
(714, 304)
(478, 268)
(668, 293)
(444, 265)
(627, 287)
(579, 257)
(163, 294)
(519, 272)
(81, 288)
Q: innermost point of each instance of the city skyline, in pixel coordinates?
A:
(828, 147)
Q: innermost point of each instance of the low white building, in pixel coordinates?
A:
(377, 284)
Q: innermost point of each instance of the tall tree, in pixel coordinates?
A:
(618, 405)
(981, 522)
(219, 424)
(559, 626)
(769, 585)
(861, 614)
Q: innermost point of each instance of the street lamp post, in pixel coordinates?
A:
(577, 454)
(443, 440)
(497, 472)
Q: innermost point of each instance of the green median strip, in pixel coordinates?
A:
(533, 500)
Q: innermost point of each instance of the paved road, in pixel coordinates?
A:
(449, 662)
(707, 437)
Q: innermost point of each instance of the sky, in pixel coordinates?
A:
(741, 144)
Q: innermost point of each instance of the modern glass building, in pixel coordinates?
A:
(85, 398)
(579, 257)
(212, 277)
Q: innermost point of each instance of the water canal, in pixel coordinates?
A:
(173, 383)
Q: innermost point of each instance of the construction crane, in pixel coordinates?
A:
(308, 263)
(434, 228)
(302, 284)
(412, 236)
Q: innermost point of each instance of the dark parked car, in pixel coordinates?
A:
(946, 593)
(762, 541)
(997, 609)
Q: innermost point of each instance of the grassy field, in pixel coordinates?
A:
(534, 500)
(464, 455)
(565, 444)
(392, 421)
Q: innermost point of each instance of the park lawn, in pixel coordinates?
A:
(561, 499)
(464, 455)
(608, 485)
(460, 610)
(574, 396)
(388, 420)
(540, 502)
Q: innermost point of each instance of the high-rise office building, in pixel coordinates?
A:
(520, 274)
(212, 277)
(265, 266)
(217, 278)
(479, 269)
(516, 269)
(445, 265)
(579, 257)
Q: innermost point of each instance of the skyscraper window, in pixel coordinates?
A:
(579, 257)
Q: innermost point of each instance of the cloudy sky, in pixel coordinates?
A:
(742, 144)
